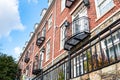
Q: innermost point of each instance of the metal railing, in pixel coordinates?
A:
(77, 31)
(79, 25)
(100, 51)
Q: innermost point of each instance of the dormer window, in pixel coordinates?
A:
(49, 2)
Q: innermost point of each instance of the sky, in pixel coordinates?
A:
(17, 19)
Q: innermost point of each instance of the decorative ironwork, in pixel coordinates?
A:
(26, 60)
(37, 71)
(40, 41)
(80, 30)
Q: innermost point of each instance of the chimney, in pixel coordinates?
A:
(49, 2)
(31, 34)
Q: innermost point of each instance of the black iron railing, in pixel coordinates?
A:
(27, 59)
(100, 51)
(40, 41)
(76, 32)
(37, 66)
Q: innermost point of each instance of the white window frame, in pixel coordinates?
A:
(62, 36)
(62, 5)
(109, 44)
(48, 50)
(49, 2)
(50, 22)
(103, 4)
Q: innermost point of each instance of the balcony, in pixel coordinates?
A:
(80, 31)
(40, 41)
(36, 71)
(69, 3)
(27, 60)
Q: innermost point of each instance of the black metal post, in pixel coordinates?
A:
(69, 65)
(42, 75)
(115, 55)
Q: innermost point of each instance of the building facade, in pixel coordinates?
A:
(75, 40)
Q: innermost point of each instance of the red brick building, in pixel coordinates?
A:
(75, 40)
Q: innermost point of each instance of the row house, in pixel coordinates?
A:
(75, 40)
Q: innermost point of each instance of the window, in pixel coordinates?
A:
(110, 50)
(32, 48)
(102, 6)
(62, 38)
(27, 54)
(41, 58)
(44, 32)
(38, 35)
(50, 22)
(48, 51)
(78, 24)
(62, 5)
(27, 70)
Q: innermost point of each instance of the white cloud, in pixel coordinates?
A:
(9, 17)
(34, 1)
(17, 51)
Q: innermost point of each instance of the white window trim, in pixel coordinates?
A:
(49, 2)
(79, 63)
(50, 17)
(116, 42)
(61, 37)
(42, 57)
(47, 58)
(98, 11)
(43, 31)
(62, 7)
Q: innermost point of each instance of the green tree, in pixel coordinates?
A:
(8, 67)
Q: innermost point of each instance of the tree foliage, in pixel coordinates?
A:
(8, 67)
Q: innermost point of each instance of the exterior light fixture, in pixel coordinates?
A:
(86, 3)
(66, 23)
(69, 3)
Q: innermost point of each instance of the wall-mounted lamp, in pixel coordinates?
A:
(86, 3)
(66, 23)
(43, 49)
(69, 3)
